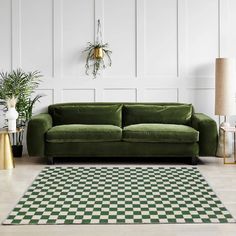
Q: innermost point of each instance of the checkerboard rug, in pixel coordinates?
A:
(72, 195)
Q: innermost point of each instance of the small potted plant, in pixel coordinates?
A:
(21, 85)
(98, 55)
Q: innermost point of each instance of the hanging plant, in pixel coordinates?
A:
(99, 54)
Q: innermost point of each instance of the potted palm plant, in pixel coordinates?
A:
(21, 86)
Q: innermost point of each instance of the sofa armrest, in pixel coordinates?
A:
(208, 134)
(37, 128)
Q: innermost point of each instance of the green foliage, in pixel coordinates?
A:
(20, 85)
(97, 63)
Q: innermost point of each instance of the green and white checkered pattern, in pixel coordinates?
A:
(72, 195)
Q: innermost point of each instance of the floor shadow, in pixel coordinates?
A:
(125, 160)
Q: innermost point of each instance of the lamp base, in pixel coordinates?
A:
(228, 142)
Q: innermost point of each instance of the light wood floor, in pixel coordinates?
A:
(14, 183)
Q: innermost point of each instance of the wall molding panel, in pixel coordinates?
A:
(78, 95)
(120, 94)
(57, 38)
(161, 40)
(15, 34)
(163, 50)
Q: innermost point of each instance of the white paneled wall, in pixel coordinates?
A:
(78, 95)
(36, 35)
(160, 44)
(163, 95)
(46, 99)
(120, 95)
(198, 96)
(5, 33)
(163, 50)
(201, 39)
(77, 28)
(120, 31)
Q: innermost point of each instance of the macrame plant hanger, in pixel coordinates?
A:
(99, 33)
(98, 51)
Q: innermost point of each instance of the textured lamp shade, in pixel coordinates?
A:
(225, 86)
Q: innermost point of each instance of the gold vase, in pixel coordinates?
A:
(98, 53)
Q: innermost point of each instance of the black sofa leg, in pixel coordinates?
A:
(50, 160)
(194, 160)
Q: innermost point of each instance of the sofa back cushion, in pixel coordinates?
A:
(165, 114)
(86, 114)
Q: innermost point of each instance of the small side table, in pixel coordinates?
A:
(233, 131)
(6, 156)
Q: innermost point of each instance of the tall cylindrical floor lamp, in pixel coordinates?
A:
(225, 77)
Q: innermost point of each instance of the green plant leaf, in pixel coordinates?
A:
(22, 85)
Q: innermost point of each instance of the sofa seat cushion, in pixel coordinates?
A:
(161, 133)
(84, 133)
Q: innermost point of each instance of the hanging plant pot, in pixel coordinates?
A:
(98, 53)
(17, 150)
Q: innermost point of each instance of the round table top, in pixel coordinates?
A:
(6, 131)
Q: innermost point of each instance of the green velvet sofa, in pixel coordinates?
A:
(121, 130)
